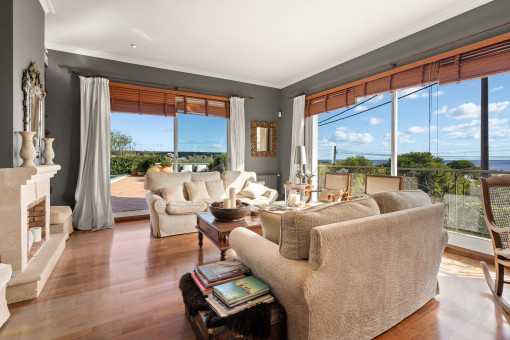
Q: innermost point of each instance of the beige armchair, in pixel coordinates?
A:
(362, 276)
(375, 183)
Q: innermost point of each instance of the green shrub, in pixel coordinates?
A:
(149, 159)
(220, 159)
(123, 164)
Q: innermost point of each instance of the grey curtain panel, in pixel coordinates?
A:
(93, 210)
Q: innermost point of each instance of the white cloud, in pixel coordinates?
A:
(325, 143)
(420, 94)
(343, 134)
(472, 111)
(360, 108)
(402, 137)
(187, 141)
(217, 146)
(441, 110)
(499, 88)
(471, 130)
(374, 121)
(420, 129)
(385, 144)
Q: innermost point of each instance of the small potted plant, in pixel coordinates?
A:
(134, 170)
(309, 176)
(166, 166)
(140, 170)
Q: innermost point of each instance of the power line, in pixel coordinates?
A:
(352, 107)
(375, 107)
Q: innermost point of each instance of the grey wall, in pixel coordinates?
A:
(22, 41)
(482, 18)
(63, 109)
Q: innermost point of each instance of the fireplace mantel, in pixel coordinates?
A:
(25, 204)
(16, 177)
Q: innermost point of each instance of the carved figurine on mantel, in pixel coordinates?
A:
(33, 104)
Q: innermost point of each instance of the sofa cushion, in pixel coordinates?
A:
(205, 176)
(237, 179)
(297, 225)
(271, 222)
(215, 189)
(261, 200)
(253, 190)
(390, 201)
(183, 208)
(154, 181)
(196, 191)
(175, 193)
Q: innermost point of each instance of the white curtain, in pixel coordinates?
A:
(311, 147)
(93, 210)
(298, 127)
(236, 134)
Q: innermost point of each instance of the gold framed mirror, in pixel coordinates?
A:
(33, 104)
(263, 139)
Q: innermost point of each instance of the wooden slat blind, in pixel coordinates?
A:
(478, 60)
(152, 101)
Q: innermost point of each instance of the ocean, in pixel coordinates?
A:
(493, 164)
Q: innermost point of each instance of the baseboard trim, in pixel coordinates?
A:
(131, 218)
(469, 253)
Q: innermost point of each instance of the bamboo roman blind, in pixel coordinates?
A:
(478, 60)
(158, 102)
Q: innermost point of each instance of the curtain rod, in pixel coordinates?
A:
(394, 63)
(158, 84)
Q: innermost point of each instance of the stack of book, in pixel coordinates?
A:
(235, 296)
(210, 275)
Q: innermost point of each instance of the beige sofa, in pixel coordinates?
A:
(5, 276)
(172, 218)
(362, 276)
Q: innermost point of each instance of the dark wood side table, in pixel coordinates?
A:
(218, 232)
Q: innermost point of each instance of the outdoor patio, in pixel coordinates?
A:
(128, 194)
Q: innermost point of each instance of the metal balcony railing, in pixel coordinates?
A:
(459, 189)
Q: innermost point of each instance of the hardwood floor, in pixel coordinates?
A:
(121, 283)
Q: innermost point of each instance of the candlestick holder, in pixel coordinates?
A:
(294, 195)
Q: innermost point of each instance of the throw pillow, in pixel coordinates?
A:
(249, 181)
(215, 189)
(390, 201)
(196, 191)
(253, 190)
(324, 194)
(173, 194)
(297, 225)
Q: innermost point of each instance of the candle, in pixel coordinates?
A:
(37, 234)
(232, 197)
(294, 199)
(226, 203)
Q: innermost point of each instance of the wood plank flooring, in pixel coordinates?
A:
(121, 283)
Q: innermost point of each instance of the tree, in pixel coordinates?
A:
(120, 143)
(220, 159)
(461, 164)
(357, 160)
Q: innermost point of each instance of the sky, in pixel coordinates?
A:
(454, 123)
(153, 133)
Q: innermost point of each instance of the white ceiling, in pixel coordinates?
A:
(265, 42)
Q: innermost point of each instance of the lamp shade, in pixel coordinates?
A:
(300, 155)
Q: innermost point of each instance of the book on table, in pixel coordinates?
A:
(239, 291)
(209, 284)
(203, 288)
(222, 270)
(223, 310)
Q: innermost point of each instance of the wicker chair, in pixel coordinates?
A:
(335, 181)
(496, 204)
(375, 183)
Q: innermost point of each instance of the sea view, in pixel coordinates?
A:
(503, 165)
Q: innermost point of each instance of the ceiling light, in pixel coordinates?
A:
(132, 45)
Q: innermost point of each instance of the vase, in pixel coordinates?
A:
(309, 181)
(27, 151)
(48, 153)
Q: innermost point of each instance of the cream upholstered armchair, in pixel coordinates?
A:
(375, 183)
(336, 187)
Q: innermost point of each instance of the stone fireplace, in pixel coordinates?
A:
(24, 208)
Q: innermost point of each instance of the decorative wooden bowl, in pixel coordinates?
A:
(229, 215)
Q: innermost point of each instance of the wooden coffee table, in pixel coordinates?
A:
(218, 232)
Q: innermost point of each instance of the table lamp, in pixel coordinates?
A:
(300, 159)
